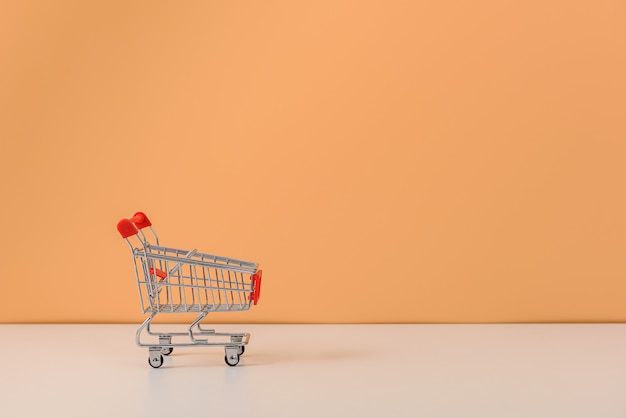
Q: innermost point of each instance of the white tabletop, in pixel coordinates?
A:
(321, 371)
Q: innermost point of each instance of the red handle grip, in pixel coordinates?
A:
(129, 227)
(140, 220)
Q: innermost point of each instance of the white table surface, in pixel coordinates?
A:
(481, 371)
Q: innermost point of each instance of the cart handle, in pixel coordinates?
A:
(129, 227)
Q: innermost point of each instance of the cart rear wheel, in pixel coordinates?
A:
(166, 351)
(232, 360)
(155, 362)
(241, 350)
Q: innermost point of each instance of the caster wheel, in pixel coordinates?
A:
(166, 351)
(232, 360)
(155, 362)
(241, 349)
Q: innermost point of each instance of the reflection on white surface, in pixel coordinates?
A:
(321, 370)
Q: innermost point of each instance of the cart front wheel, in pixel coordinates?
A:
(166, 351)
(232, 360)
(155, 361)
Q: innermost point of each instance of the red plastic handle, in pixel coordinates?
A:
(140, 220)
(126, 228)
(129, 227)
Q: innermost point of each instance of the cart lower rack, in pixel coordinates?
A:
(171, 280)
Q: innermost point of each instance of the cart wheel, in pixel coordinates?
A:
(241, 349)
(155, 362)
(232, 360)
(166, 351)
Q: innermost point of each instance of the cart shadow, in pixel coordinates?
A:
(301, 356)
(259, 359)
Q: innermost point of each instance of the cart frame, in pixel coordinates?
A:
(171, 280)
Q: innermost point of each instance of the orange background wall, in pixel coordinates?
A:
(384, 161)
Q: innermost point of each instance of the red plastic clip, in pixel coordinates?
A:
(256, 286)
(160, 273)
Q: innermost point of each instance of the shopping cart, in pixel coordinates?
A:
(171, 280)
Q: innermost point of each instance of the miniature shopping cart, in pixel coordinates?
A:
(171, 280)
